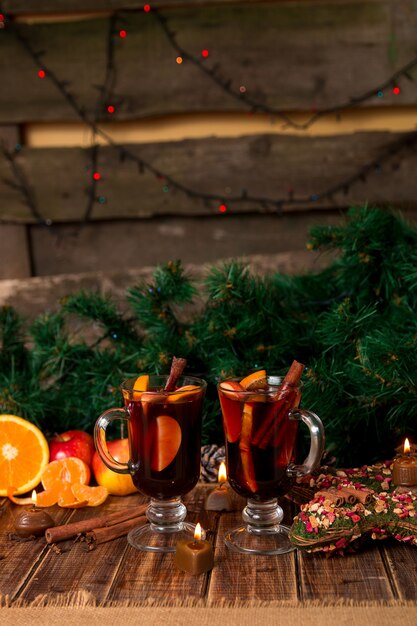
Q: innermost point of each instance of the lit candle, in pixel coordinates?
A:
(33, 521)
(194, 557)
(404, 470)
(220, 499)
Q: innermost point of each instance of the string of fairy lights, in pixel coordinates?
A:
(108, 103)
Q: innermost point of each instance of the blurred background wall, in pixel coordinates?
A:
(135, 133)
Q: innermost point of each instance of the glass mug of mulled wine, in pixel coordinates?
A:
(164, 431)
(261, 415)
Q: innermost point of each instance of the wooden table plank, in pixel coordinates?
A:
(116, 572)
(76, 568)
(19, 558)
(358, 577)
(242, 577)
(401, 563)
(144, 575)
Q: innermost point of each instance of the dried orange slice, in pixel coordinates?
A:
(24, 454)
(166, 441)
(70, 470)
(256, 380)
(93, 495)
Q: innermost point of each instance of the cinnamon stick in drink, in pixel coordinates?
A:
(177, 368)
(291, 380)
(67, 531)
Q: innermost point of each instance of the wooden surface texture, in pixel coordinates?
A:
(115, 572)
(299, 55)
(265, 166)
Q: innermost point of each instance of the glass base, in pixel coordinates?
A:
(263, 532)
(265, 542)
(166, 527)
(149, 539)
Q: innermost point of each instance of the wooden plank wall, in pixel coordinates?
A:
(266, 60)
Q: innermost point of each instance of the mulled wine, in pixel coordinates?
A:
(257, 466)
(164, 435)
(163, 417)
(260, 420)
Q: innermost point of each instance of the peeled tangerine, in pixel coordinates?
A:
(65, 483)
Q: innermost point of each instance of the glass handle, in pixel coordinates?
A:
(100, 439)
(316, 429)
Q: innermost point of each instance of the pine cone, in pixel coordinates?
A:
(211, 457)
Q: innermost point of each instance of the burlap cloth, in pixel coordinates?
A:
(80, 610)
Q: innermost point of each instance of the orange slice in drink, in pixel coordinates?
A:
(183, 393)
(140, 385)
(70, 470)
(231, 409)
(93, 495)
(256, 380)
(24, 454)
(166, 441)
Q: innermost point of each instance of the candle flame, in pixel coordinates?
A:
(34, 498)
(197, 532)
(222, 472)
(407, 447)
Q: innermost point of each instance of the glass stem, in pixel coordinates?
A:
(263, 517)
(166, 515)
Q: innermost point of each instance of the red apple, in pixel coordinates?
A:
(72, 443)
(117, 484)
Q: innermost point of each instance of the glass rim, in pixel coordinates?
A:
(127, 384)
(272, 386)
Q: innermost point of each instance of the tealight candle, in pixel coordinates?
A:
(194, 557)
(404, 470)
(33, 522)
(220, 499)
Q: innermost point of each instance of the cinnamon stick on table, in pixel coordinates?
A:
(108, 533)
(60, 533)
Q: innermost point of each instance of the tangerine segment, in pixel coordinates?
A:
(24, 453)
(76, 504)
(141, 384)
(93, 495)
(70, 470)
(49, 497)
(183, 393)
(166, 441)
(256, 380)
(67, 499)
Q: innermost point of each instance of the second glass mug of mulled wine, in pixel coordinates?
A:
(164, 431)
(260, 417)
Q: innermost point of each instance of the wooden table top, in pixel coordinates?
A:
(116, 572)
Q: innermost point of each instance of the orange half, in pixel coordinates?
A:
(24, 454)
